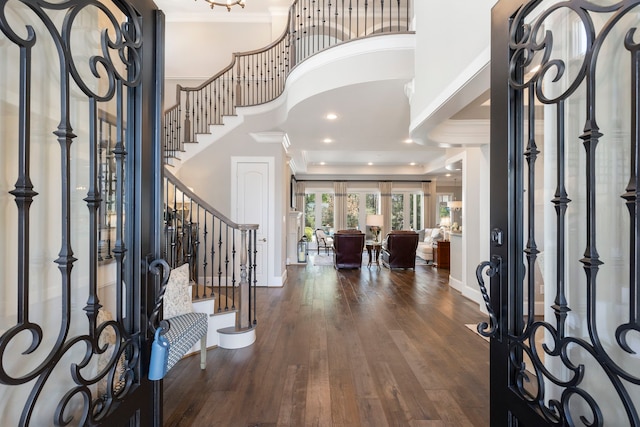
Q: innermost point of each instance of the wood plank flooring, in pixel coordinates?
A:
(345, 348)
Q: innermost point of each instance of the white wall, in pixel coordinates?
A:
(474, 245)
(443, 68)
(196, 51)
(448, 76)
(209, 174)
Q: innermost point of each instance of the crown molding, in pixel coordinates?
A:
(219, 16)
(275, 137)
(461, 133)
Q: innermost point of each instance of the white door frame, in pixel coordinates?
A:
(270, 226)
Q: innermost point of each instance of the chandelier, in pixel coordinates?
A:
(228, 4)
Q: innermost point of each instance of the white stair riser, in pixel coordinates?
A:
(221, 321)
(204, 140)
(237, 340)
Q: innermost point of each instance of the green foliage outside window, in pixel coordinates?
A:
(372, 203)
(327, 210)
(444, 211)
(310, 210)
(353, 209)
(397, 211)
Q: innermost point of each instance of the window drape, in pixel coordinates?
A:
(385, 205)
(429, 200)
(340, 205)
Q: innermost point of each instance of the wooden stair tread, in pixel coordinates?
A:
(213, 294)
(231, 330)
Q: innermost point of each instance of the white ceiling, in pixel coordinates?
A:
(373, 118)
(200, 10)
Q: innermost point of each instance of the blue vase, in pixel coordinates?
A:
(159, 357)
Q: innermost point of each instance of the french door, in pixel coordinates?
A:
(79, 212)
(564, 285)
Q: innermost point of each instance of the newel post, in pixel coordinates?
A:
(244, 309)
(187, 120)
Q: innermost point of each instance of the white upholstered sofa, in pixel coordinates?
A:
(426, 240)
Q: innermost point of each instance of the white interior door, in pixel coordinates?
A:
(253, 204)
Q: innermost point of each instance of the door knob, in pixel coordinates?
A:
(263, 239)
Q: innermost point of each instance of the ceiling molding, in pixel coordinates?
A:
(286, 143)
(361, 178)
(292, 166)
(467, 133)
(458, 133)
(219, 14)
(276, 137)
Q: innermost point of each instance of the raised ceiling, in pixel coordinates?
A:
(368, 137)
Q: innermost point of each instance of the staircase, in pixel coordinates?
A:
(221, 253)
(222, 259)
(203, 140)
(204, 113)
(222, 330)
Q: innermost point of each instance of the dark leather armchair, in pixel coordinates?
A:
(347, 249)
(399, 249)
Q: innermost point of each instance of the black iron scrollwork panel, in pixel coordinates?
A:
(575, 67)
(70, 351)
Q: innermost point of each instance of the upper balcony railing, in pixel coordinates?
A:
(259, 76)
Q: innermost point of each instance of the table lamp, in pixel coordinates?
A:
(375, 223)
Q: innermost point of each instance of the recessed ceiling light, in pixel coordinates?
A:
(412, 164)
(370, 164)
(322, 163)
(332, 116)
(448, 174)
(327, 140)
(408, 141)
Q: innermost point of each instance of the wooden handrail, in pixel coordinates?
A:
(221, 253)
(198, 200)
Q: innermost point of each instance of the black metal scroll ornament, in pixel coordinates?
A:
(154, 267)
(487, 329)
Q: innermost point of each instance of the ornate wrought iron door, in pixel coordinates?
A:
(564, 295)
(79, 142)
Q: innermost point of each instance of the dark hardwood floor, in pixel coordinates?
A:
(350, 348)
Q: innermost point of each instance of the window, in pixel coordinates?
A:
(358, 206)
(443, 210)
(406, 211)
(397, 211)
(353, 209)
(318, 211)
(326, 213)
(310, 211)
(371, 206)
(415, 211)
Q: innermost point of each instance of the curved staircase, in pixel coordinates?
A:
(223, 262)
